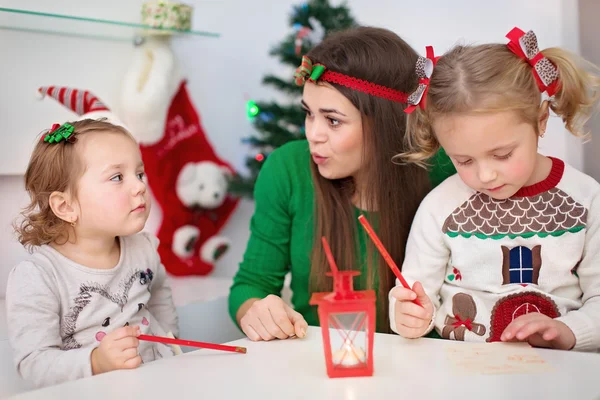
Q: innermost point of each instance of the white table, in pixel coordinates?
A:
(295, 369)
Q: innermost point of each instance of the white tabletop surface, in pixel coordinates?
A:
(295, 369)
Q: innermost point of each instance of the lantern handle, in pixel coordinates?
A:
(329, 255)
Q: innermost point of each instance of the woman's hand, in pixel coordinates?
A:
(270, 318)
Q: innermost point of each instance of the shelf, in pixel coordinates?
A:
(91, 28)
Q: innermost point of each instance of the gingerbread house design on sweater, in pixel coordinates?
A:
(553, 212)
(550, 213)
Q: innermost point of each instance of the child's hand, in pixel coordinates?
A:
(539, 330)
(412, 320)
(271, 318)
(117, 350)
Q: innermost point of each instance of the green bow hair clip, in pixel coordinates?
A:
(59, 133)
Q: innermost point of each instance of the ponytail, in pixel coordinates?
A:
(578, 90)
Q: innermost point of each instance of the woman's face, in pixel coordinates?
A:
(334, 131)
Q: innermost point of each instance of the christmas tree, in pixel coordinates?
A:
(275, 123)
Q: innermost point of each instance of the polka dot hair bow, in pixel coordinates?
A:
(525, 45)
(424, 69)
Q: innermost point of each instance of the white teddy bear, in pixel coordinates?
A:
(203, 184)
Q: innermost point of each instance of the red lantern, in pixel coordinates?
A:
(347, 319)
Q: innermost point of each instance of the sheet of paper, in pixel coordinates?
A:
(495, 358)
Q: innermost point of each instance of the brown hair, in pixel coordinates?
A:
(490, 78)
(378, 56)
(54, 167)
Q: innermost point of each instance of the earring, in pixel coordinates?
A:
(73, 223)
(542, 134)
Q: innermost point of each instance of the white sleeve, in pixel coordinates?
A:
(585, 322)
(426, 257)
(33, 311)
(161, 304)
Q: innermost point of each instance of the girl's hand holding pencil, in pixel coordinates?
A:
(413, 309)
(271, 318)
(412, 321)
(117, 350)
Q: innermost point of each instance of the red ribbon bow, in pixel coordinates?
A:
(525, 45)
(419, 96)
(467, 323)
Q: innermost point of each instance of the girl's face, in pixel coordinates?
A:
(112, 199)
(494, 153)
(334, 131)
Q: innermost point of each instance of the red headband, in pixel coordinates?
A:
(424, 68)
(308, 71)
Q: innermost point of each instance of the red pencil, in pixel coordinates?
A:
(191, 343)
(386, 256)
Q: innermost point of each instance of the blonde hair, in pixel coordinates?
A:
(54, 167)
(490, 78)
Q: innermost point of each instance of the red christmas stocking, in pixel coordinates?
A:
(189, 182)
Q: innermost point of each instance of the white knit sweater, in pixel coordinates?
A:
(59, 311)
(484, 262)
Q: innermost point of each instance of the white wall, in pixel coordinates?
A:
(222, 72)
(590, 31)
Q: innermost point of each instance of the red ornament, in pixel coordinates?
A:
(259, 157)
(347, 319)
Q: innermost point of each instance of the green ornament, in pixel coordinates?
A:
(252, 109)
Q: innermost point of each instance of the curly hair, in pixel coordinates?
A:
(54, 168)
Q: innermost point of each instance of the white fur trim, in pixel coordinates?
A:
(210, 246)
(148, 89)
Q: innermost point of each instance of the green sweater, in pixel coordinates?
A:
(281, 231)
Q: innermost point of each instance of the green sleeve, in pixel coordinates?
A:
(441, 168)
(267, 257)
